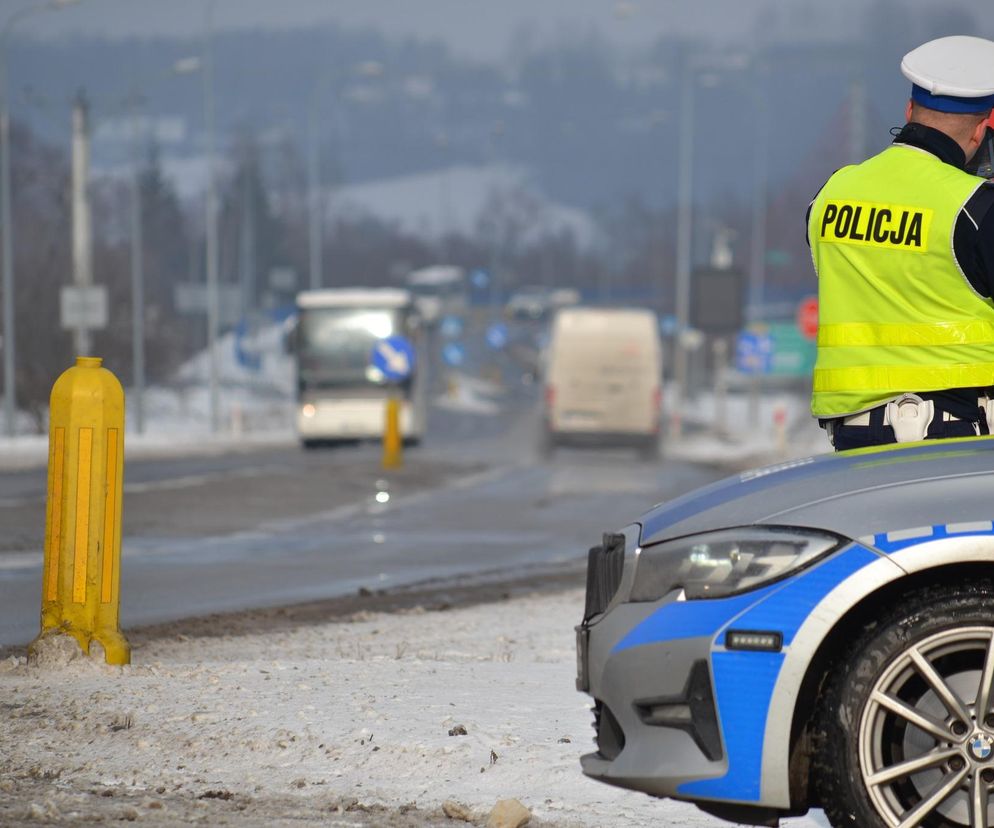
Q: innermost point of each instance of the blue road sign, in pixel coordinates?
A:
(394, 357)
(497, 336)
(453, 354)
(754, 353)
(668, 325)
(246, 356)
(451, 327)
(479, 278)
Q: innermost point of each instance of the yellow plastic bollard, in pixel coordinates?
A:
(393, 447)
(82, 573)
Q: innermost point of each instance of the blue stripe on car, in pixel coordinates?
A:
(886, 542)
(744, 681)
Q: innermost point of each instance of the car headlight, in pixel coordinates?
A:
(717, 564)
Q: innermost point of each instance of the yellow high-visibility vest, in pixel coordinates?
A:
(896, 313)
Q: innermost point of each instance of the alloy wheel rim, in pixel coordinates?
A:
(926, 734)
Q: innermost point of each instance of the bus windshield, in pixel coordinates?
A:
(335, 344)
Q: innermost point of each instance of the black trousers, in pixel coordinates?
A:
(847, 437)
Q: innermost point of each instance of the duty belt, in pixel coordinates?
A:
(910, 416)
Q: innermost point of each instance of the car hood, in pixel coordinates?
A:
(856, 493)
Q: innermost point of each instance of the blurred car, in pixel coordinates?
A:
(603, 379)
(528, 304)
(818, 634)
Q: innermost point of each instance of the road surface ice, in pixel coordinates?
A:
(350, 717)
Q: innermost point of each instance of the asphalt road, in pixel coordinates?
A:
(282, 526)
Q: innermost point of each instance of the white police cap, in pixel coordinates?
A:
(952, 74)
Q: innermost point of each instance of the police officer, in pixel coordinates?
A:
(903, 245)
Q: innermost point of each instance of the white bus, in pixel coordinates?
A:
(438, 290)
(340, 394)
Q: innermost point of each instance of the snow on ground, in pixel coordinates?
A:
(458, 200)
(298, 721)
(747, 434)
(470, 395)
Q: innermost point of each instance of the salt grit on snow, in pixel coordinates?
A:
(359, 709)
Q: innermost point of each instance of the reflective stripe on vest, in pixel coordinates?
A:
(896, 312)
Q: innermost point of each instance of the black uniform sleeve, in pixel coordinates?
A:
(973, 240)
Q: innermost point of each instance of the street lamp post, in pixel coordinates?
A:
(6, 219)
(213, 298)
(315, 195)
(180, 67)
(685, 221)
(684, 237)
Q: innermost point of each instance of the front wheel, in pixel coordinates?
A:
(905, 732)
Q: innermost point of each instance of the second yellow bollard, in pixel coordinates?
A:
(82, 573)
(393, 441)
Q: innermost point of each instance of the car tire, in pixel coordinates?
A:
(928, 658)
(650, 451)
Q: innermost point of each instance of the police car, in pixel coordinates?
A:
(818, 634)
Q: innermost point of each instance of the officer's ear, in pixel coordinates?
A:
(976, 138)
(907, 112)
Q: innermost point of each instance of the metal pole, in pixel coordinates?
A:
(8, 339)
(685, 214)
(137, 279)
(757, 270)
(314, 200)
(247, 245)
(7, 233)
(213, 309)
(857, 121)
(82, 238)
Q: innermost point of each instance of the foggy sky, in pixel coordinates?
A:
(484, 29)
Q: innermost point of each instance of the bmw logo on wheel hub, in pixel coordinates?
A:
(981, 746)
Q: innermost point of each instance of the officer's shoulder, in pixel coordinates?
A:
(980, 203)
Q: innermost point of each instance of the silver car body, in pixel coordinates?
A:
(898, 511)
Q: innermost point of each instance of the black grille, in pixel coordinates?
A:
(604, 567)
(610, 737)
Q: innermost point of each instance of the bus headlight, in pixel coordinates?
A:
(717, 564)
(308, 410)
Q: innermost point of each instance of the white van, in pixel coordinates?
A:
(603, 381)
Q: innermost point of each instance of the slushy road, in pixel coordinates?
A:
(283, 526)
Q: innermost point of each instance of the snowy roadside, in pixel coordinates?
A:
(340, 723)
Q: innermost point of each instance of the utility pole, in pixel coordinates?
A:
(82, 235)
(857, 121)
(137, 277)
(247, 244)
(6, 217)
(315, 205)
(213, 298)
(757, 264)
(684, 237)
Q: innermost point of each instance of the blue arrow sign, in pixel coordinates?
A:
(394, 358)
(479, 278)
(454, 354)
(754, 353)
(451, 327)
(497, 336)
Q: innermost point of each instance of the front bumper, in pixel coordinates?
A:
(655, 718)
(352, 419)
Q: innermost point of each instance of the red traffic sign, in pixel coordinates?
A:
(807, 317)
